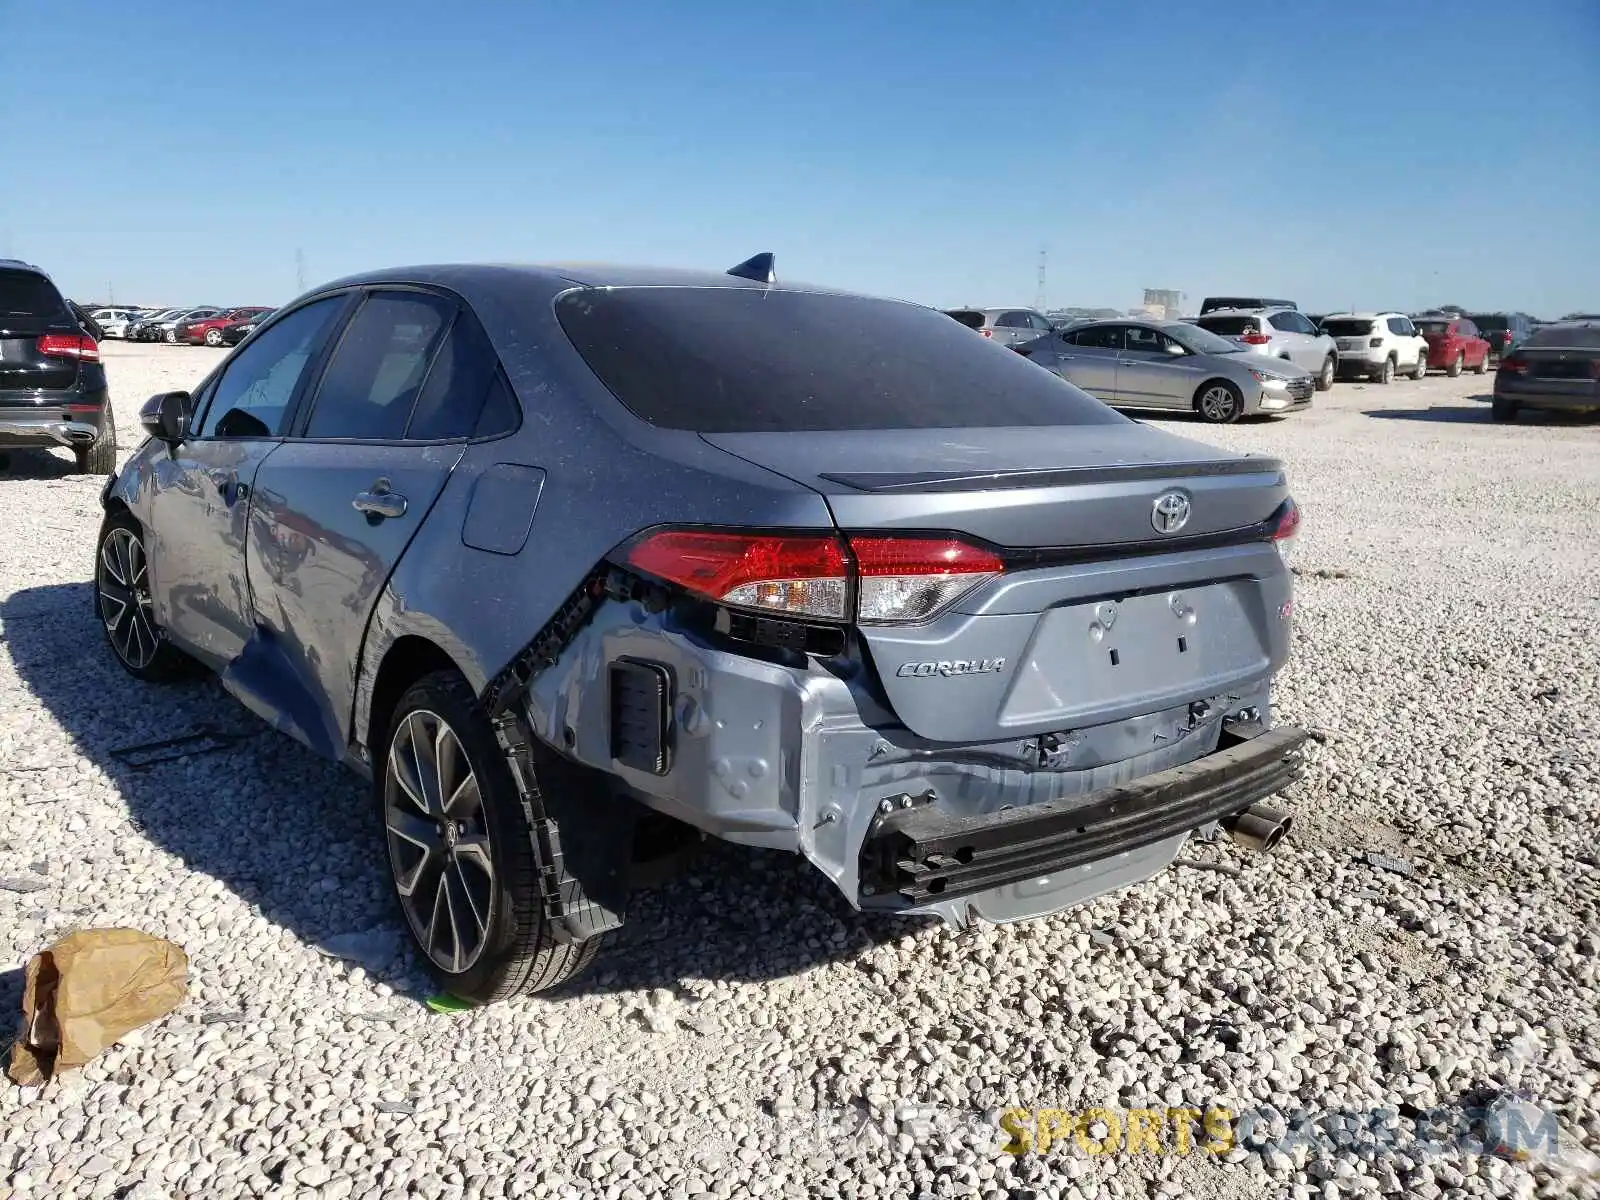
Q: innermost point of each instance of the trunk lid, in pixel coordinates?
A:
(30, 307)
(1099, 617)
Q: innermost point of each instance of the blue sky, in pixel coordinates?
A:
(1347, 155)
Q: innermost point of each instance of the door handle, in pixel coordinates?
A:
(229, 486)
(380, 502)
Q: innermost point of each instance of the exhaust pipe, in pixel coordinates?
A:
(1259, 827)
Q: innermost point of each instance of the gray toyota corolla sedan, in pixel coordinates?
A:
(578, 565)
(1172, 365)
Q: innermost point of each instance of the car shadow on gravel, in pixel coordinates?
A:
(293, 835)
(1476, 414)
(36, 464)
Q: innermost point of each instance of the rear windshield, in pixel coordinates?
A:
(1229, 326)
(26, 294)
(1346, 328)
(1212, 303)
(748, 360)
(1492, 324)
(970, 317)
(1585, 337)
(1433, 326)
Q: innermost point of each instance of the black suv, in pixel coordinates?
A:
(52, 386)
(1503, 331)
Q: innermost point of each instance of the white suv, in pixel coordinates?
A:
(113, 322)
(1378, 346)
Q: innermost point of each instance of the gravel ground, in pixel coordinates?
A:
(748, 1034)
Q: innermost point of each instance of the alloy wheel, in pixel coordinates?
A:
(213, 337)
(1216, 403)
(438, 841)
(123, 582)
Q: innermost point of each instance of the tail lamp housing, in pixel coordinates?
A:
(868, 579)
(1283, 526)
(69, 345)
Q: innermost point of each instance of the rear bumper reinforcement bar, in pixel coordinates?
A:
(924, 854)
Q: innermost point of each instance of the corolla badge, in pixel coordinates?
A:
(1170, 513)
(948, 667)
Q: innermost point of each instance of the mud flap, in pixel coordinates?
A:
(582, 836)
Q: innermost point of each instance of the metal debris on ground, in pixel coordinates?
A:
(391, 1106)
(1387, 862)
(222, 1018)
(205, 740)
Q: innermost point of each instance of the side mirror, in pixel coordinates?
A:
(1176, 350)
(166, 416)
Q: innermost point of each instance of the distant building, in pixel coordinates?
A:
(1162, 303)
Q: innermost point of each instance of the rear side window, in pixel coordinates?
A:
(27, 294)
(458, 384)
(377, 371)
(970, 317)
(1346, 327)
(748, 360)
(1228, 326)
(1012, 320)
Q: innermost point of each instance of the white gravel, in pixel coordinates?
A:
(1448, 603)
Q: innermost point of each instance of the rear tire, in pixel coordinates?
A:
(1456, 364)
(1505, 410)
(99, 457)
(122, 602)
(1420, 371)
(463, 857)
(172, 337)
(1386, 375)
(1219, 403)
(213, 337)
(1325, 378)
(1483, 365)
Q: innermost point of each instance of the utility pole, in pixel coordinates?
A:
(111, 293)
(299, 270)
(1038, 296)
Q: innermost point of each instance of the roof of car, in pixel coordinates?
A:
(557, 277)
(1254, 311)
(1364, 316)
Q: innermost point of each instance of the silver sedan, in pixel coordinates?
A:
(1171, 365)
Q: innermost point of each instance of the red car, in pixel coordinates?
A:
(208, 330)
(1453, 344)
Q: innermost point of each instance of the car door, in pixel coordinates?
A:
(1151, 370)
(1088, 358)
(337, 504)
(199, 499)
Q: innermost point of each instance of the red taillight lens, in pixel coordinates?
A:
(989, 333)
(1255, 339)
(1513, 366)
(797, 574)
(896, 579)
(69, 345)
(912, 579)
(1285, 525)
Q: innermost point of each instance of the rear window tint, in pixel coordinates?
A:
(1228, 326)
(1586, 337)
(747, 360)
(970, 317)
(1493, 324)
(1347, 328)
(1433, 326)
(25, 294)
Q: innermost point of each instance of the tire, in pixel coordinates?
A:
(1219, 402)
(213, 337)
(1326, 377)
(1386, 375)
(172, 337)
(99, 457)
(122, 604)
(1483, 365)
(1505, 410)
(1420, 371)
(482, 858)
(1456, 364)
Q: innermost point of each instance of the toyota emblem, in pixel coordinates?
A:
(1171, 512)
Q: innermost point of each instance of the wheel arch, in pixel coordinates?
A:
(1208, 381)
(407, 659)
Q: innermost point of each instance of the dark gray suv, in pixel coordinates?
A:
(579, 564)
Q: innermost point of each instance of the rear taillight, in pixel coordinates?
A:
(69, 345)
(912, 579)
(1255, 339)
(1285, 524)
(1513, 366)
(989, 333)
(871, 579)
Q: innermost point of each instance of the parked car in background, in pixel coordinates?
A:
(1503, 331)
(1557, 367)
(1284, 333)
(1454, 344)
(1171, 365)
(1377, 346)
(52, 384)
(144, 328)
(236, 331)
(1008, 326)
(879, 565)
(168, 330)
(114, 321)
(196, 331)
(1215, 303)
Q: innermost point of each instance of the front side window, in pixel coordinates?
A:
(1143, 340)
(377, 370)
(1396, 326)
(252, 397)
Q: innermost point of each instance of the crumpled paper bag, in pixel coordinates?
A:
(87, 991)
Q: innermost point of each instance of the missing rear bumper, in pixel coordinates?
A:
(923, 855)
